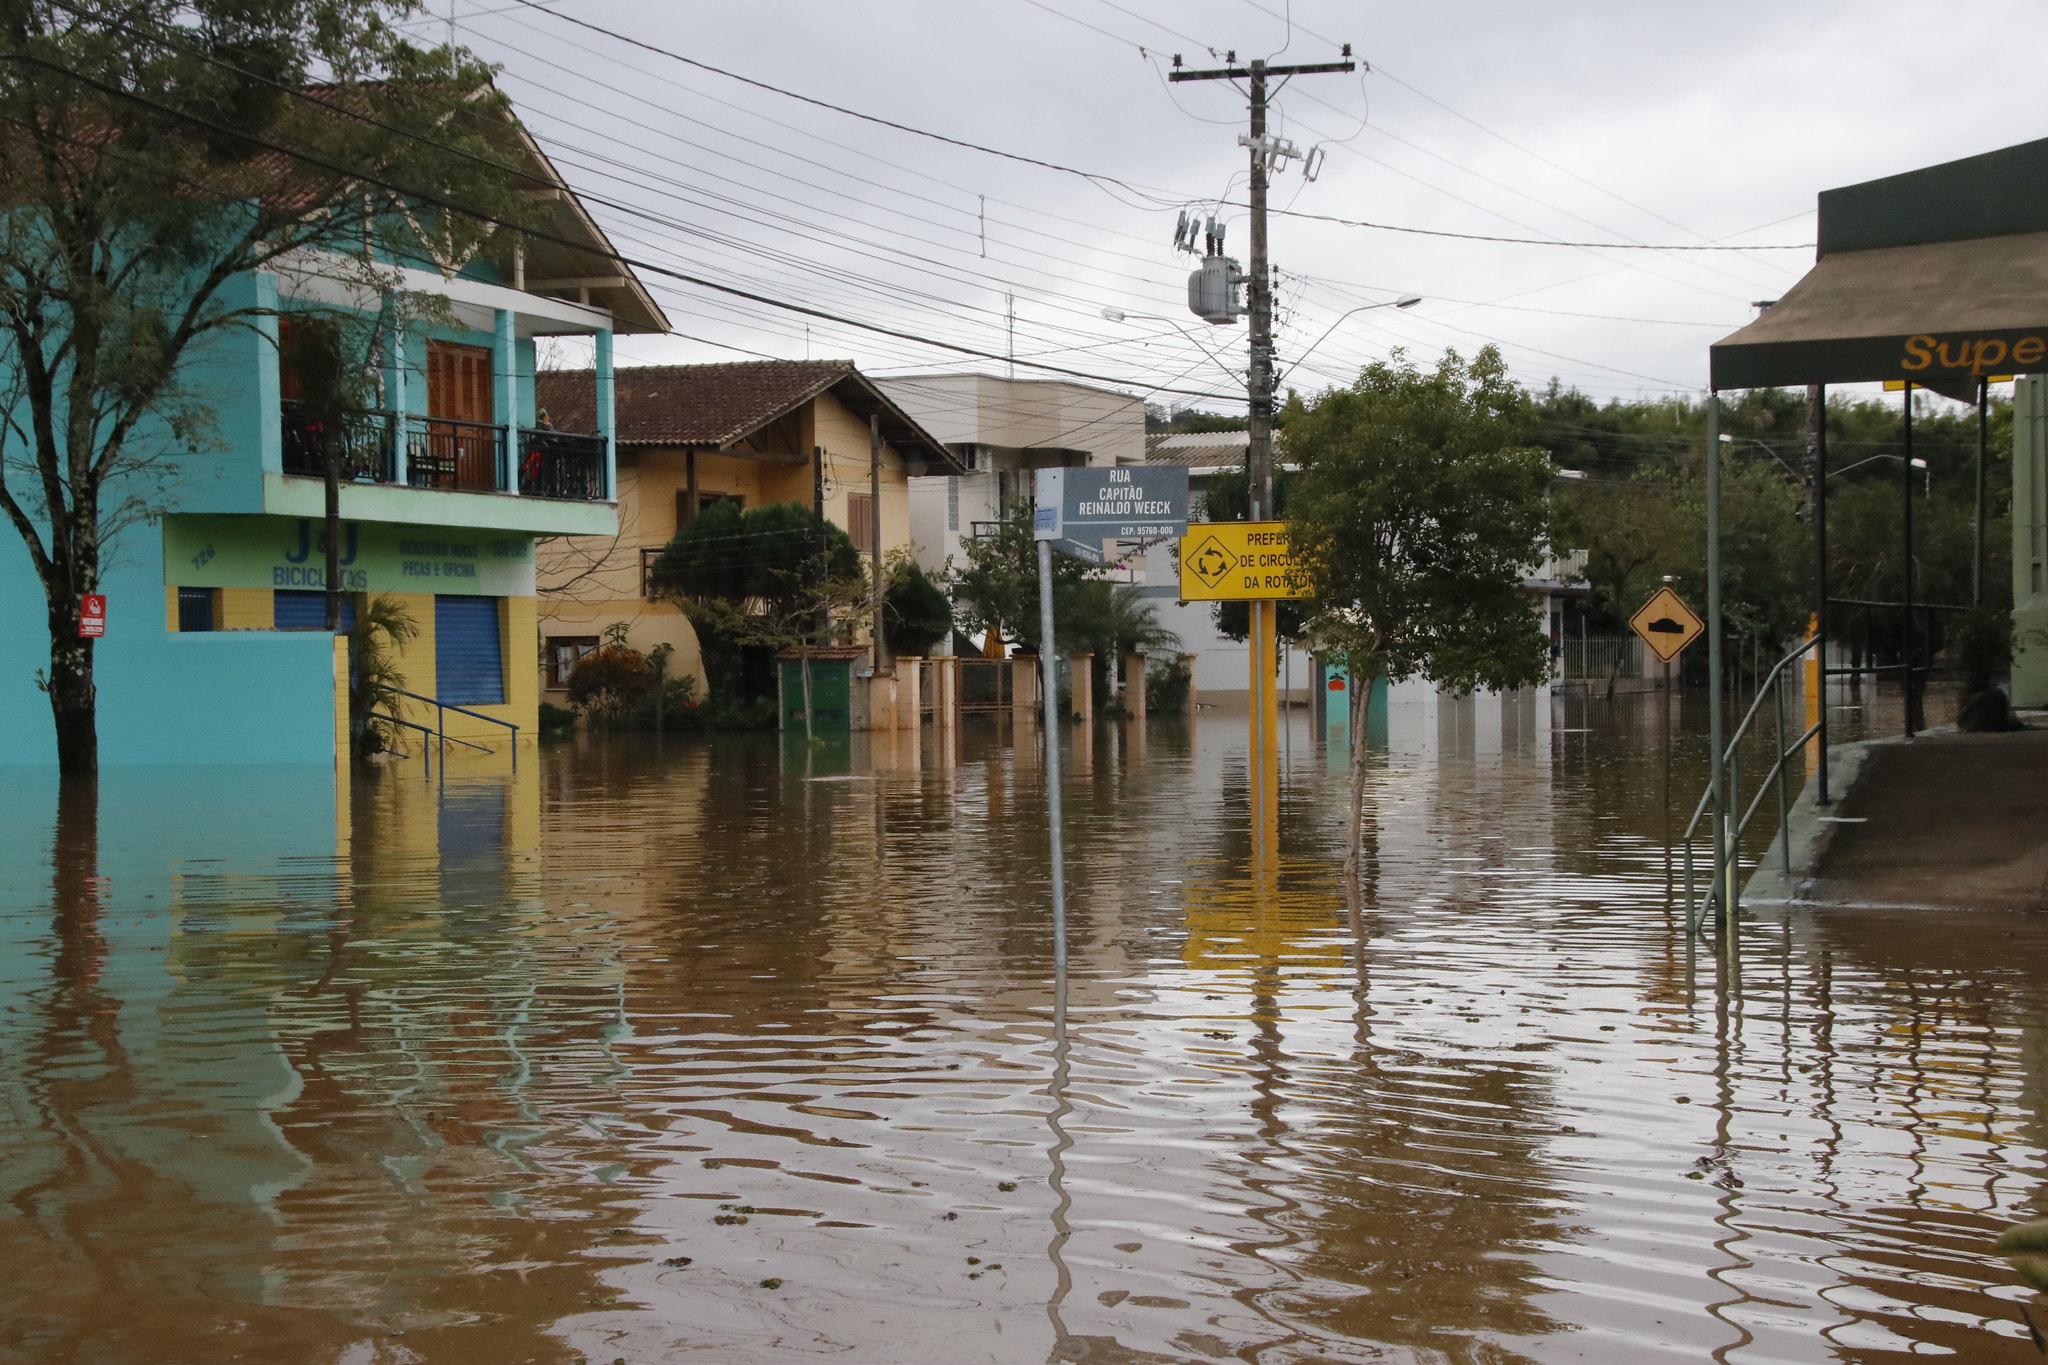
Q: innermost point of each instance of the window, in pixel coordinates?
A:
(562, 653)
(953, 504)
(860, 521)
(704, 500)
(196, 610)
(469, 654)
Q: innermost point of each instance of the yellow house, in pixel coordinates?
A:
(814, 432)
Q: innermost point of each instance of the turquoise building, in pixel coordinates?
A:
(215, 648)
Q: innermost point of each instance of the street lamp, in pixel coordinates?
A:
(1114, 314)
(1726, 439)
(1405, 301)
(1917, 463)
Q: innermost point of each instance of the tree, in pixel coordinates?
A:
(998, 589)
(1108, 620)
(777, 577)
(915, 615)
(383, 628)
(153, 158)
(1420, 508)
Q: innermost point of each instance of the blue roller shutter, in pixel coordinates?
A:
(469, 663)
(294, 609)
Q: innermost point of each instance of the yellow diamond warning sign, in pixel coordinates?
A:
(1238, 561)
(1667, 625)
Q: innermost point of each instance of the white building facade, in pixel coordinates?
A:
(1003, 430)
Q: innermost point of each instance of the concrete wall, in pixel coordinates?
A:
(943, 510)
(1051, 414)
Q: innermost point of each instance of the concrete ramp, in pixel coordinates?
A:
(1945, 821)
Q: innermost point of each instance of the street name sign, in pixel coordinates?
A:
(1081, 550)
(1238, 561)
(1667, 625)
(1111, 502)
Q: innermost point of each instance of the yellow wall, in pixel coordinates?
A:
(598, 579)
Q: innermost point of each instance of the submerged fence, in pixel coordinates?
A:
(1596, 657)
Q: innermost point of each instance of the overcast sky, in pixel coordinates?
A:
(1642, 122)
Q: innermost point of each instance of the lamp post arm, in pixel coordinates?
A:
(1408, 302)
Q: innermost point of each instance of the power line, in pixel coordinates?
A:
(441, 202)
(1099, 178)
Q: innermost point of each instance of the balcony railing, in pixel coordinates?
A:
(443, 453)
(560, 464)
(360, 446)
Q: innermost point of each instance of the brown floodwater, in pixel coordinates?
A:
(736, 1052)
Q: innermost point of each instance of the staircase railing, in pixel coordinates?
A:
(439, 729)
(1724, 890)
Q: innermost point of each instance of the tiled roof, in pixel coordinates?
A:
(712, 406)
(1197, 450)
(688, 405)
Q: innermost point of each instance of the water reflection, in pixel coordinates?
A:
(751, 1052)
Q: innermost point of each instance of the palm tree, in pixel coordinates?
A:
(383, 628)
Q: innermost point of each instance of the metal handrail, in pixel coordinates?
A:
(1695, 914)
(427, 730)
(440, 730)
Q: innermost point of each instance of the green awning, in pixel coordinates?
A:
(1938, 276)
(1941, 311)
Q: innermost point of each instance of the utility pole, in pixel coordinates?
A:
(1267, 153)
(874, 529)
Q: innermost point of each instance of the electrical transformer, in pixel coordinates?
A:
(1213, 291)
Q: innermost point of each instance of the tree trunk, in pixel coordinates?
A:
(1361, 716)
(805, 668)
(660, 692)
(74, 698)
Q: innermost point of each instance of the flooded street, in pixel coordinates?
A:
(648, 1055)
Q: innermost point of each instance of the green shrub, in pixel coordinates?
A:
(556, 721)
(1981, 644)
(679, 707)
(607, 683)
(1167, 687)
(915, 614)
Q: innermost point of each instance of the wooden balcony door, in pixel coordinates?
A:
(462, 445)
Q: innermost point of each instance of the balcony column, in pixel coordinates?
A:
(269, 379)
(394, 389)
(505, 396)
(607, 426)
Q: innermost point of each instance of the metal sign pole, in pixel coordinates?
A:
(1074, 510)
(1716, 682)
(1049, 703)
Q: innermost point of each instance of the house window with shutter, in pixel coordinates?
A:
(860, 521)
